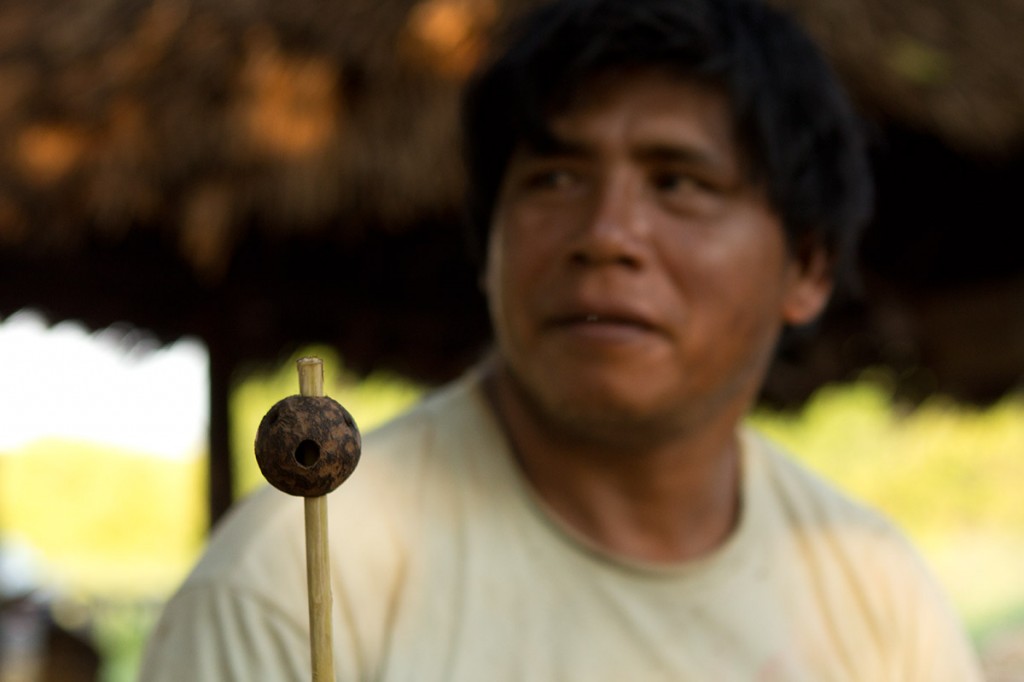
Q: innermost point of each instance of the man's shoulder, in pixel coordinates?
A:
(452, 407)
(262, 535)
(261, 532)
(829, 527)
(858, 561)
(806, 494)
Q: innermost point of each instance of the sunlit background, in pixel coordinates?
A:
(114, 386)
(102, 440)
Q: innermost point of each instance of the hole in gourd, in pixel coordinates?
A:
(307, 453)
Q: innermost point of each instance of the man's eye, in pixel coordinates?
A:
(674, 182)
(557, 178)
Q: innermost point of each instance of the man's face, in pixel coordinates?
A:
(636, 278)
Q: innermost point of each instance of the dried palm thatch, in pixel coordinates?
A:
(218, 132)
(950, 67)
(207, 118)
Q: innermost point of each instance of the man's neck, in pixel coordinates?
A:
(660, 502)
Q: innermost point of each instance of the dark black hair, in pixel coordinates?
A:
(797, 129)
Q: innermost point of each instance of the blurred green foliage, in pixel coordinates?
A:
(102, 520)
(939, 468)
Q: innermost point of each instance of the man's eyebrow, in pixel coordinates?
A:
(547, 143)
(685, 154)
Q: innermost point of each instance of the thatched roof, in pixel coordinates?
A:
(186, 164)
(207, 117)
(951, 67)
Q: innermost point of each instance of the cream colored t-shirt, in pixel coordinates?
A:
(446, 569)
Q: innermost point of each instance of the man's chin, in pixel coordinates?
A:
(589, 413)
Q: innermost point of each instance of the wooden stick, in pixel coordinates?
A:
(318, 565)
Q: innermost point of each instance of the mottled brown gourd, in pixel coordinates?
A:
(307, 445)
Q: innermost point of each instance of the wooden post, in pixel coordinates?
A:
(220, 467)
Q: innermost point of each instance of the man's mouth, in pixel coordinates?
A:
(607, 322)
(594, 318)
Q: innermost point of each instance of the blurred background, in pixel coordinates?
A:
(195, 192)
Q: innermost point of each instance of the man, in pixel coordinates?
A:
(659, 188)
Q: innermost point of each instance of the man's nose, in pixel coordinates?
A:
(614, 229)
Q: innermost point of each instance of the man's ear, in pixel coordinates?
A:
(810, 286)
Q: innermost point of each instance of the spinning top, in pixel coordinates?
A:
(307, 445)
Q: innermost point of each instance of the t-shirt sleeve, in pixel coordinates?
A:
(886, 611)
(224, 635)
(938, 649)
